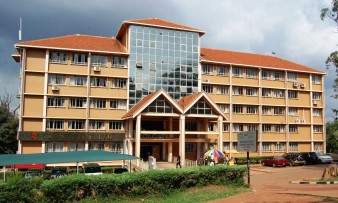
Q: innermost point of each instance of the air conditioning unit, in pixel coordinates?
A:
(302, 85)
(315, 102)
(302, 121)
(55, 88)
(97, 68)
(295, 84)
(297, 120)
(206, 80)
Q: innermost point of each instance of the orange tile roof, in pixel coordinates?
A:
(78, 42)
(156, 22)
(186, 101)
(241, 58)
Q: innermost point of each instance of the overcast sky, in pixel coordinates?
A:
(292, 29)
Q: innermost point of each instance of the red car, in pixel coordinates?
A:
(275, 161)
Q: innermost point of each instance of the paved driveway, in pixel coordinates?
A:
(270, 184)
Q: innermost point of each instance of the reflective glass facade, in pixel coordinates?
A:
(162, 58)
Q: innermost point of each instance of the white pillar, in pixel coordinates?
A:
(43, 147)
(182, 139)
(220, 133)
(86, 146)
(130, 128)
(170, 151)
(138, 136)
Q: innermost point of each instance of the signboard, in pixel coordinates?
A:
(247, 141)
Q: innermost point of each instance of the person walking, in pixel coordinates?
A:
(178, 162)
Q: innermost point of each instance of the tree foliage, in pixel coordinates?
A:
(8, 126)
(332, 60)
(332, 137)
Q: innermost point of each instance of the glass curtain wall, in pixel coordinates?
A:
(162, 58)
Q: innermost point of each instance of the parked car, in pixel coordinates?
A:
(58, 172)
(33, 173)
(120, 170)
(324, 158)
(294, 159)
(92, 169)
(275, 161)
(310, 157)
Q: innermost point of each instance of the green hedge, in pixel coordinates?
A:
(253, 160)
(78, 186)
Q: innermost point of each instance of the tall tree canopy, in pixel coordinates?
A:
(332, 60)
(8, 126)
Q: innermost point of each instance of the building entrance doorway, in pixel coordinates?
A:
(151, 149)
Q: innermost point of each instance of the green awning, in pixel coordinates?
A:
(62, 157)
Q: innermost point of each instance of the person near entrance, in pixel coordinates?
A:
(178, 162)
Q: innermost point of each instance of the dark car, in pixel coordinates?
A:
(92, 169)
(120, 170)
(310, 157)
(275, 161)
(294, 159)
(58, 172)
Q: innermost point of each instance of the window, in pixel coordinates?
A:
(292, 77)
(279, 128)
(251, 73)
(238, 128)
(190, 147)
(237, 90)
(116, 125)
(207, 69)
(57, 57)
(266, 147)
(237, 109)
(279, 93)
(80, 59)
(76, 124)
(318, 146)
(207, 88)
(293, 146)
(78, 81)
(212, 127)
(119, 83)
(225, 127)
(316, 79)
(237, 72)
(279, 111)
(280, 146)
(98, 103)
(98, 82)
(266, 128)
(251, 91)
(118, 104)
(316, 96)
(266, 92)
(78, 102)
(55, 101)
(317, 112)
(54, 124)
(252, 127)
(293, 128)
(96, 146)
(190, 126)
(265, 74)
(116, 147)
(317, 128)
(224, 107)
(56, 79)
(221, 89)
(139, 43)
(293, 111)
(292, 94)
(97, 60)
(54, 146)
(76, 146)
(226, 146)
(267, 110)
(119, 62)
(222, 71)
(96, 125)
(251, 109)
(279, 75)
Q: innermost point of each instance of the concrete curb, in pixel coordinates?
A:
(314, 182)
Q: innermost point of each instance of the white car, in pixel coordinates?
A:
(323, 158)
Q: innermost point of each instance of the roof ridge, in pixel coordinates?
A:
(239, 52)
(69, 35)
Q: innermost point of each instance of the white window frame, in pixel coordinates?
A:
(279, 93)
(237, 72)
(207, 88)
(279, 128)
(54, 124)
(266, 92)
(119, 62)
(317, 129)
(76, 146)
(251, 73)
(317, 112)
(118, 104)
(292, 94)
(251, 91)
(237, 90)
(58, 57)
(99, 60)
(266, 128)
(79, 59)
(279, 110)
(293, 128)
(224, 107)
(251, 109)
(238, 127)
(316, 96)
(267, 110)
(222, 71)
(222, 89)
(280, 147)
(97, 125)
(266, 147)
(293, 111)
(225, 127)
(293, 146)
(278, 75)
(207, 69)
(116, 147)
(266, 74)
(76, 124)
(78, 102)
(54, 147)
(98, 82)
(237, 109)
(119, 83)
(116, 125)
(78, 80)
(55, 79)
(92, 146)
(98, 103)
(316, 79)
(56, 102)
(292, 77)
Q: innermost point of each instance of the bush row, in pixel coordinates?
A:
(78, 186)
(253, 160)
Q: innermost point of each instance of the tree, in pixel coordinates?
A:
(332, 60)
(8, 126)
(332, 137)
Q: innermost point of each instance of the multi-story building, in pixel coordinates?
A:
(154, 90)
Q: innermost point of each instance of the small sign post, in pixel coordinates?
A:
(247, 142)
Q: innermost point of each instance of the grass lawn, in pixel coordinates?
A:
(203, 194)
